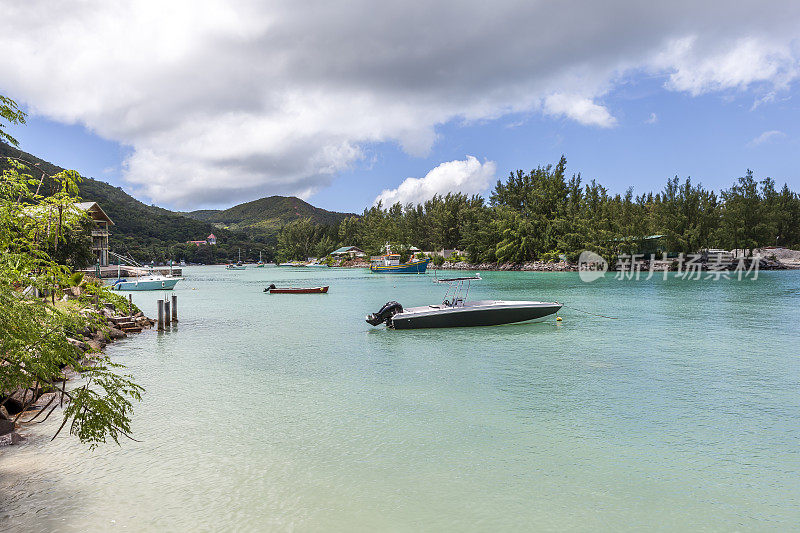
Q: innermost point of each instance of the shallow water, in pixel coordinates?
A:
(289, 412)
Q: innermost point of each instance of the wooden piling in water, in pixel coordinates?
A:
(161, 315)
(166, 315)
(174, 307)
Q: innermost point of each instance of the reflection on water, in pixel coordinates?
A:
(290, 412)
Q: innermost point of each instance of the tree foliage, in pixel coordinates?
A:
(37, 243)
(544, 214)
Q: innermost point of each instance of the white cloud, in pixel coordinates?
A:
(579, 109)
(652, 119)
(225, 100)
(735, 64)
(469, 176)
(767, 136)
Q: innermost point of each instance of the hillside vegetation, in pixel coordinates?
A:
(145, 231)
(151, 233)
(266, 216)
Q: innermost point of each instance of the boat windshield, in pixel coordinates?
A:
(457, 289)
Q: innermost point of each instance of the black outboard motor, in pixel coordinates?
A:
(385, 314)
(271, 286)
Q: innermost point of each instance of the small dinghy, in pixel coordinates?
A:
(272, 289)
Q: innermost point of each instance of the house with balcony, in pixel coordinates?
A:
(100, 231)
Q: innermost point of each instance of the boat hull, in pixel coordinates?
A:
(481, 313)
(158, 285)
(299, 290)
(412, 267)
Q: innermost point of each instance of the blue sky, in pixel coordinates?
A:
(708, 137)
(207, 104)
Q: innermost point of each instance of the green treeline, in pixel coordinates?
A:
(542, 214)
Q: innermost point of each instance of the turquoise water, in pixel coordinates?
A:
(286, 412)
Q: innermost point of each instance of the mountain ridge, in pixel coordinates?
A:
(133, 219)
(149, 232)
(267, 214)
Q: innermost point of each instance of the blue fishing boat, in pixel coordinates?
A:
(390, 264)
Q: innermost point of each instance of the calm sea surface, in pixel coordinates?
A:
(287, 412)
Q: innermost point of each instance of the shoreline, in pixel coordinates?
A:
(566, 266)
(109, 325)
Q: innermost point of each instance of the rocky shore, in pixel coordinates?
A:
(770, 259)
(107, 324)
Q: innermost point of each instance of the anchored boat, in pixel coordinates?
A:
(148, 282)
(454, 311)
(153, 282)
(238, 265)
(272, 289)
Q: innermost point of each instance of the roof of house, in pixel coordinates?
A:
(345, 249)
(212, 236)
(94, 210)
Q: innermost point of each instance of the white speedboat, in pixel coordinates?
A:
(456, 312)
(152, 282)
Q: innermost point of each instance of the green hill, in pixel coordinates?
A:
(137, 226)
(267, 215)
(148, 232)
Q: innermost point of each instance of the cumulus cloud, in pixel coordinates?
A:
(697, 69)
(224, 100)
(652, 119)
(767, 136)
(579, 109)
(469, 176)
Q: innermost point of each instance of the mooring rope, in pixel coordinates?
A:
(588, 313)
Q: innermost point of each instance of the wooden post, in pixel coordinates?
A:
(130, 304)
(174, 307)
(166, 314)
(161, 315)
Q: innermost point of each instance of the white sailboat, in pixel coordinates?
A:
(238, 265)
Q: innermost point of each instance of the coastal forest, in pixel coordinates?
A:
(544, 215)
